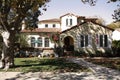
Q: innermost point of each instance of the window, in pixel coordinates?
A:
(70, 22)
(46, 25)
(66, 22)
(54, 25)
(39, 44)
(103, 41)
(46, 42)
(32, 42)
(84, 40)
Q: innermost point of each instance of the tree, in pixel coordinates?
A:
(12, 13)
(22, 40)
(114, 25)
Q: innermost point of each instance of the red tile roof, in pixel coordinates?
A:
(42, 30)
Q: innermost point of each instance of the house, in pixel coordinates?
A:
(40, 37)
(87, 37)
(116, 34)
(76, 33)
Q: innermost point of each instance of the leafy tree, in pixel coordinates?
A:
(114, 25)
(12, 13)
(22, 40)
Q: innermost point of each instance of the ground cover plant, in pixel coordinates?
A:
(46, 64)
(113, 63)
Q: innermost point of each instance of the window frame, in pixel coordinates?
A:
(84, 40)
(102, 40)
(71, 22)
(54, 25)
(47, 43)
(46, 25)
(32, 41)
(40, 42)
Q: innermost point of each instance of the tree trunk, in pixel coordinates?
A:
(8, 50)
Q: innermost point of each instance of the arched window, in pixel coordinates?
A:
(39, 44)
(32, 42)
(46, 42)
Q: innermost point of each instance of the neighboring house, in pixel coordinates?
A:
(116, 34)
(76, 33)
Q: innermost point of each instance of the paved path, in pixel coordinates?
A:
(99, 73)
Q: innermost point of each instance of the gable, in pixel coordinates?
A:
(89, 26)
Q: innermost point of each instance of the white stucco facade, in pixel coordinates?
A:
(50, 25)
(68, 21)
(51, 44)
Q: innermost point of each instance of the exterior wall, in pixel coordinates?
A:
(51, 44)
(91, 30)
(50, 25)
(63, 22)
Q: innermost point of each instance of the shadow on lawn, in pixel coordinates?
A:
(43, 65)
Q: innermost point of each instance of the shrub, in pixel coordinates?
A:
(116, 48)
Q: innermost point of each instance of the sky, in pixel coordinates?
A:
(57, 8)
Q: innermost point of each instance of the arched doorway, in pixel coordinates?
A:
(68, 45)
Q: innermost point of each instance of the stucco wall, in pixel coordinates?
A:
(90, 29)
(63, 21)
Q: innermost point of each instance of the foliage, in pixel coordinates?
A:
(54, 65)
(116, 48)
(116, 44)
(54, 37)
(22, 39)
(13, 12)
(100, 21)
(115, 25)
(116, 14)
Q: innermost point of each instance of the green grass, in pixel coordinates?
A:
(54, 65)
(106, 62)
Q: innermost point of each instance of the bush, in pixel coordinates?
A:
(116, 48)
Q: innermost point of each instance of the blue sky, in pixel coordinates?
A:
(58, 8)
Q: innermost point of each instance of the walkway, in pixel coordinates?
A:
(99, 73)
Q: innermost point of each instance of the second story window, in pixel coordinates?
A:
(46, 25)
(66, 22)
(70, 22)
(54, 25)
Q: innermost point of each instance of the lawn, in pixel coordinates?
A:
(54, 65)
(113, 63)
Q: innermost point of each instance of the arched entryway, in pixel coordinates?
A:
(68, 45)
